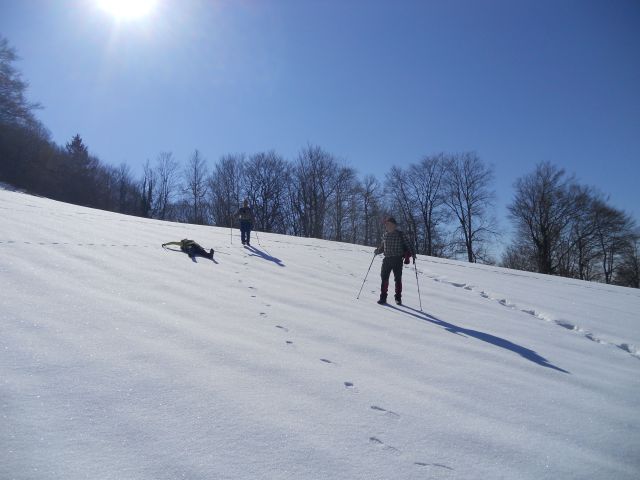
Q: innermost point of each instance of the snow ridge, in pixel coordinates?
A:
(566, 324)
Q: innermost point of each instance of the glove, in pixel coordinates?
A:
(377, 251)
(414, 259)
(407, 255)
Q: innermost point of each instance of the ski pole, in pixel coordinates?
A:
(365, 277)
(257, 237)
(417, 283)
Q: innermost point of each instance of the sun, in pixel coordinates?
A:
(127, 9)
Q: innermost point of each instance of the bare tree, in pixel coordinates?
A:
(125, 187)
(14, 106)
(543, 209)
(468, 194)
(341, 201)
(399, 193)
(167, 182)
(371, 192)
(266, 176)
(614, 231)
(147, 191)
(518, 256)
(226, 185)
(314, 183)
(195, 175)
(579, 248)
(425, 182)
(628, 272)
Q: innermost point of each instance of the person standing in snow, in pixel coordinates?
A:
(396, 248)
(191, 248)
(245, 215)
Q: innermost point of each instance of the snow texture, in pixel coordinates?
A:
(123, 360)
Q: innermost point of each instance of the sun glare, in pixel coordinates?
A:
(127, 9)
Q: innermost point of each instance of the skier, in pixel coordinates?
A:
(396, 247)
(191, 248)
(246, 222)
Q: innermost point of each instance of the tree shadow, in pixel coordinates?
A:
(264, 255)
(485, 337)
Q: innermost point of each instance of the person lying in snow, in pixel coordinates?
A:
(191, 248)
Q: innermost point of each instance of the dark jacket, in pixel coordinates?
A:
(245, 214)
(395, 244)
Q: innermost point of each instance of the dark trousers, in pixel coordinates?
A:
(245, 231)
(390, 264)
(196, 250)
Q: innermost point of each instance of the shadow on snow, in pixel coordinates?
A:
(485, 337)
(264, 255)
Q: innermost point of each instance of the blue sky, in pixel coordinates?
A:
(376, 83)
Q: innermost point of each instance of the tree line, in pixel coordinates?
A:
(445, 201)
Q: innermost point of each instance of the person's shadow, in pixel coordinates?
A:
(264, 255)
(485, 337)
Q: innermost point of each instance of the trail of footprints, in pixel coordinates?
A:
(13, 242)
(373, 440)
(630, 349)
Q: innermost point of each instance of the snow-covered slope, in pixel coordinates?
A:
(122, 360)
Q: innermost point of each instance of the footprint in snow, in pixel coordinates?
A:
(351, 387)
(289, 342)
(439, 465)
(376, 441)
(565, 324)
(326, 360)
(282, 328)
(506, 303)
(385, 411)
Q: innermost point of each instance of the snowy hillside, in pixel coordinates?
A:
(122, 360)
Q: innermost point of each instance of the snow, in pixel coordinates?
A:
(122, 360)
